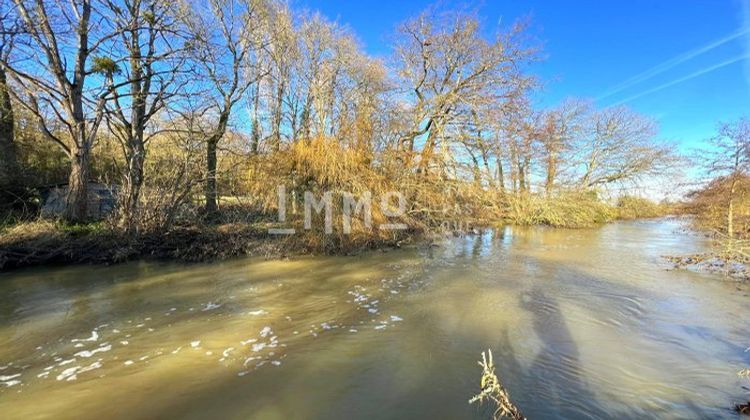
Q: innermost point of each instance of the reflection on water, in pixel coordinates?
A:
(584, 324)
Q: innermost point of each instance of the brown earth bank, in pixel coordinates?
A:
(47, 243)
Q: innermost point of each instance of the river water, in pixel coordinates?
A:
(583, 324)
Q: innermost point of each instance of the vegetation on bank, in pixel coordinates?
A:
(196, 113)
(720, 207)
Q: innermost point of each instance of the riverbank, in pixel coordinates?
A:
(49, 243)
(733, 266)
(239, 232)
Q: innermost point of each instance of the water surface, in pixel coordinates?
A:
(583, 324)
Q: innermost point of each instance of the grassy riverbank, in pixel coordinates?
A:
(45, 242)
(42, 242)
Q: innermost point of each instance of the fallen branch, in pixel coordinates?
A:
(493, 390)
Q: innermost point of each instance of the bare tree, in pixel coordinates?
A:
(51, 72)
(281, 54)
(9, 29)
(143, 76)
(620, 146)
(729, 157)
(447, 67)
(225, 47)
(560, 126)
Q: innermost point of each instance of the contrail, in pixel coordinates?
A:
(686, 78)
(661, 68)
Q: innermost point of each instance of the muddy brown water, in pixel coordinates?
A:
(583, 324)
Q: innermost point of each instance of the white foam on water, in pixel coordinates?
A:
(94, 337)
(276, 363)
(372, 311)
(87, 353)
(43, 374)
(258, 312)
(243, 373)
(177, 350)
(65, 362)
(79, 345)
(211, 306)
(71, 374)
(396, 318)
(128, 362)
(246, 342)
(265, 331)
(6, 366)
(195, 344)
(379, 327)
(209, 353)
(352, 330)
(116, 331)
(258, 347)
(9, 377)
(226, 352)
(9, 384)
(124, 342)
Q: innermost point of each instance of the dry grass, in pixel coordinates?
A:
(572, 209)
(631, 207)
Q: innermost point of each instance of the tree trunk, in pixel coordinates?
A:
(551, 172)
(76, 208)
(500, 176)
(512, 166)
(211, 193)
(277, 116)
(133, 184)
(255, 136)
(8, 158)
(730, 210)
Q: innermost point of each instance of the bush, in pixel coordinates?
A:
(631, 207)
(570, 209)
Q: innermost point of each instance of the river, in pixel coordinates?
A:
(583, 324)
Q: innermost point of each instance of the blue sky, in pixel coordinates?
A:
(692, 55)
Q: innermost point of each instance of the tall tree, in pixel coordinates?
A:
(729, 157)
(447, 67)
(225, 46)
(52, 74)
(9, 29)
(560, 126)
(619, 146)
(143, 76)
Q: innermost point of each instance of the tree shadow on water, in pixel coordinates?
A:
(554, 383)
